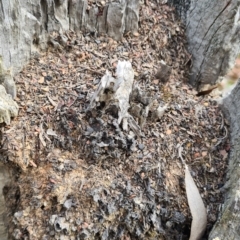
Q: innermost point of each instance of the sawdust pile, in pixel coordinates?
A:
(82, 177)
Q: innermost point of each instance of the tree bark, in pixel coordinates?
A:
(213, 37)
(227, 226)
(26, 29)
(213, 33)
(25, 26)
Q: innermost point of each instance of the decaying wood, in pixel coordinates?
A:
(115, 94)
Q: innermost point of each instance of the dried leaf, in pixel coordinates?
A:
(45, 89)
(41, 80)
(168, 132)
(51, 132)
(224, 154)
(147, 65)
(136, 34)
(206, 92)
(51, 101)
(196, 155)
(197, 208)
(156, 81)
(32, 163)
(204, 153)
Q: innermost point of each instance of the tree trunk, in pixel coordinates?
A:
(26, 29)
(227, 226)
(213, 38)
(213, 32)
(26, 25)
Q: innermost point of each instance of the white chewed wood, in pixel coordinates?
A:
(197, 208)
(104, 91)
(161, 110)
(123, 88)
(115, 94)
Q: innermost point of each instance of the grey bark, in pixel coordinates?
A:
(182, 7)
(213, 33)
(25, 28)
(227, 227)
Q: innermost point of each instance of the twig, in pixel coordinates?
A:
(51, 101)
(41, 136)
(91, 70)
(220, 139)
(180, 149)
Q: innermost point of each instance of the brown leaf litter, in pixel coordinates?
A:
(80, 176)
